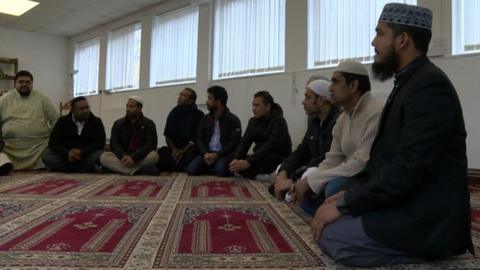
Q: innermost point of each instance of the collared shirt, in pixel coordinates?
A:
(79, 125)
(353, 136)
(215, 144)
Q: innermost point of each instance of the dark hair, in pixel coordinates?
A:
(421, 37)
(363, 81)
(22, 73)
(193, 94)
(267, 98)
(76, 100)
(219, 93)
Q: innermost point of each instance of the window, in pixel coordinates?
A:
(249, 37)
(123, 58)
(85, 67)
(466, 26)
(342, 29)
(174, 47)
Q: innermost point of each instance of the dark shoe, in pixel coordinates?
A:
(148, 170)
(6, 168)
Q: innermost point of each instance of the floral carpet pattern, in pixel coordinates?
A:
(87, 221)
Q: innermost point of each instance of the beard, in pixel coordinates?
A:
(385, 70)
(211, 109)
(25, 91)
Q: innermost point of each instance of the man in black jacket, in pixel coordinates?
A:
(412, 201)
(180, 133)
(269, 131)
(316, 141)
(77, 140)
(133, 142)
(218, 135)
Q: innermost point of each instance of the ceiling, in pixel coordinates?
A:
(70, 17)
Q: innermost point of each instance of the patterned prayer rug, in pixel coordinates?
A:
(86, 221)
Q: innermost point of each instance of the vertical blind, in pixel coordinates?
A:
(249, 37)
(86, 62)
(342, 29)
(123, 58)
(174, 47)
(466, 26)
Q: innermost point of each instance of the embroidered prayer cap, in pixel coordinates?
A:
(320, 87)
(353, 67)
(137, 99)
(409, 15)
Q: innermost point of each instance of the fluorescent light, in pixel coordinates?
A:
(16, 7)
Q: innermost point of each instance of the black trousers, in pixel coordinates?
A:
(267, 165)
(167, 164)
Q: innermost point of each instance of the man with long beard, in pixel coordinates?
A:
(133, 142)
(218, 135)
(411, 203)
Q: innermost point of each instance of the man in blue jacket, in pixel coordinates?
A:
(218, 135)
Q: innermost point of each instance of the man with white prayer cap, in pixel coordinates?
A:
(411, 203)
(353, 135)
(133, 142)
(317, 140)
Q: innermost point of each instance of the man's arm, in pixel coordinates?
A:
(100, 137)
(55, 139)
(115, 140)
(429, 115)
(353, 165)
(277, 137)
(234, 138)
(149, 145)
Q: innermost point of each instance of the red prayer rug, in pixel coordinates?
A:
(226, 235)
(71, 221)
(206, 188)
(124, 187)
(78, 235)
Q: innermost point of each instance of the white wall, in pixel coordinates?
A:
(286, 88)
(44, 55)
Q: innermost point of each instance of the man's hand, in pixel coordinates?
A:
(128, 161)
(282, 184)
(325, 214)
(299, 190)
(238, 165)
(210, 158)
(174, 154)
(74, 154)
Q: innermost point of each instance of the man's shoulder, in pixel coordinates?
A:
(119, 122)
(147, 121)
(65, 118)
(231, 116)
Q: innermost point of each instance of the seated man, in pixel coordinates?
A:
(412, 202)
(218, 135)
(353, 134)
(133, 142)
(180, 133)
(27, 117)
(269, 131)
(77, 140)
(316, 142)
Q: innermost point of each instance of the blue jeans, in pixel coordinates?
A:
(198, 166)
(335, 185)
